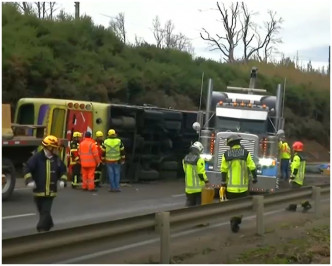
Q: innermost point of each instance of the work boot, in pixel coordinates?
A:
(235, 221)
(306, 205)
(291, 207)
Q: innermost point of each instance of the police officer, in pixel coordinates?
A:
(99, 142)
(297, 166)
(235, 163)
(195, 176)
(113, 156)
(41, 173)
(74, 162)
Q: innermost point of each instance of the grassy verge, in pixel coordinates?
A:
(312, 247)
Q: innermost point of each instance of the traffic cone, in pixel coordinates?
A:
(235, 221)
(292, 207)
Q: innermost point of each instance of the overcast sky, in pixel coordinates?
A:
(305, 30)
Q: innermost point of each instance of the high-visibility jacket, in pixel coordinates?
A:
(235, 162)
(194, 166)
(113, 150)
(285, 152)
(298, 163)
(74, 158)
(99, 144)
(88, 153)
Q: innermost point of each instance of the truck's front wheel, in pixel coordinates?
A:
(8, 178)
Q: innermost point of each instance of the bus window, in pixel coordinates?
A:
(58, 122)
(26, 114)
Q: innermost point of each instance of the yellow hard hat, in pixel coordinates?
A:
(50, 141)
(77, 134)
(99, 134)
(111, 132)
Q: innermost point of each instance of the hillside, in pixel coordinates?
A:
(75, 59)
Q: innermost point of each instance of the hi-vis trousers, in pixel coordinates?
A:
(88, 176)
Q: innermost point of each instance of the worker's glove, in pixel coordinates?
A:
(254, 181)
(291, 180)
(122, 161)
(62, 184)
(292, 177)
(207, 184)
(31, 185)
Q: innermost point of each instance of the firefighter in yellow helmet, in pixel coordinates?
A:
(41, 173)
(98, 172)
(297, 166)
(195, 175)
(74, 161)
(114, 157)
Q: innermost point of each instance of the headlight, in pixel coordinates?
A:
(206, 156)
(267, 162)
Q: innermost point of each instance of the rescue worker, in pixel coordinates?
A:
(114, 157)
(74, 161)
(99, 142)
(297, 166)
(88, 153)
(235, 164)
(195, 175)
(285, 156)
(41, 173)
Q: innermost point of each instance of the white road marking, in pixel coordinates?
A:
(18, 216)
(178, 195)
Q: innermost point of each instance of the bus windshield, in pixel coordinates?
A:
(241, 125)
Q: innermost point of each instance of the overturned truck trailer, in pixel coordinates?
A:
(155, 139)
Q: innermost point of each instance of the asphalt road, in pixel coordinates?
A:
(74, 207)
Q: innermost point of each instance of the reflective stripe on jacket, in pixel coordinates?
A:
(113, 149)
(192, 168)
(88, 153)
(45, 172)
(298, 163)
(74, 158)
(285, 152)
(236, 162)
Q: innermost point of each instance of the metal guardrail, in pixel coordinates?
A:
(162, 222)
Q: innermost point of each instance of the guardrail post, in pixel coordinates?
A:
(163, 227)
(316, 198)
(258, 202)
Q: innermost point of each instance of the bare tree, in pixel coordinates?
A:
(25, 7)
(248, 32)
(158, 32)
(268, 46)
(166, 38)
(38, 8)
(117, 25)
(232, 36)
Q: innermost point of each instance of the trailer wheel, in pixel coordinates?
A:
(148, 175)
(8, 178)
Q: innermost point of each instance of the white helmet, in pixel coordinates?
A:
(198, 147)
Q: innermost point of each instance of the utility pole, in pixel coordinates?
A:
(329, 69)
(77, 10)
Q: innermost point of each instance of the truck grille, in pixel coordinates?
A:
(249, 142)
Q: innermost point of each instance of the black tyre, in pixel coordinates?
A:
(169, 165)
(148, 175)
(168, 175)
(8, 178)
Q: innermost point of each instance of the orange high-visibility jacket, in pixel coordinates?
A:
(88, 153)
